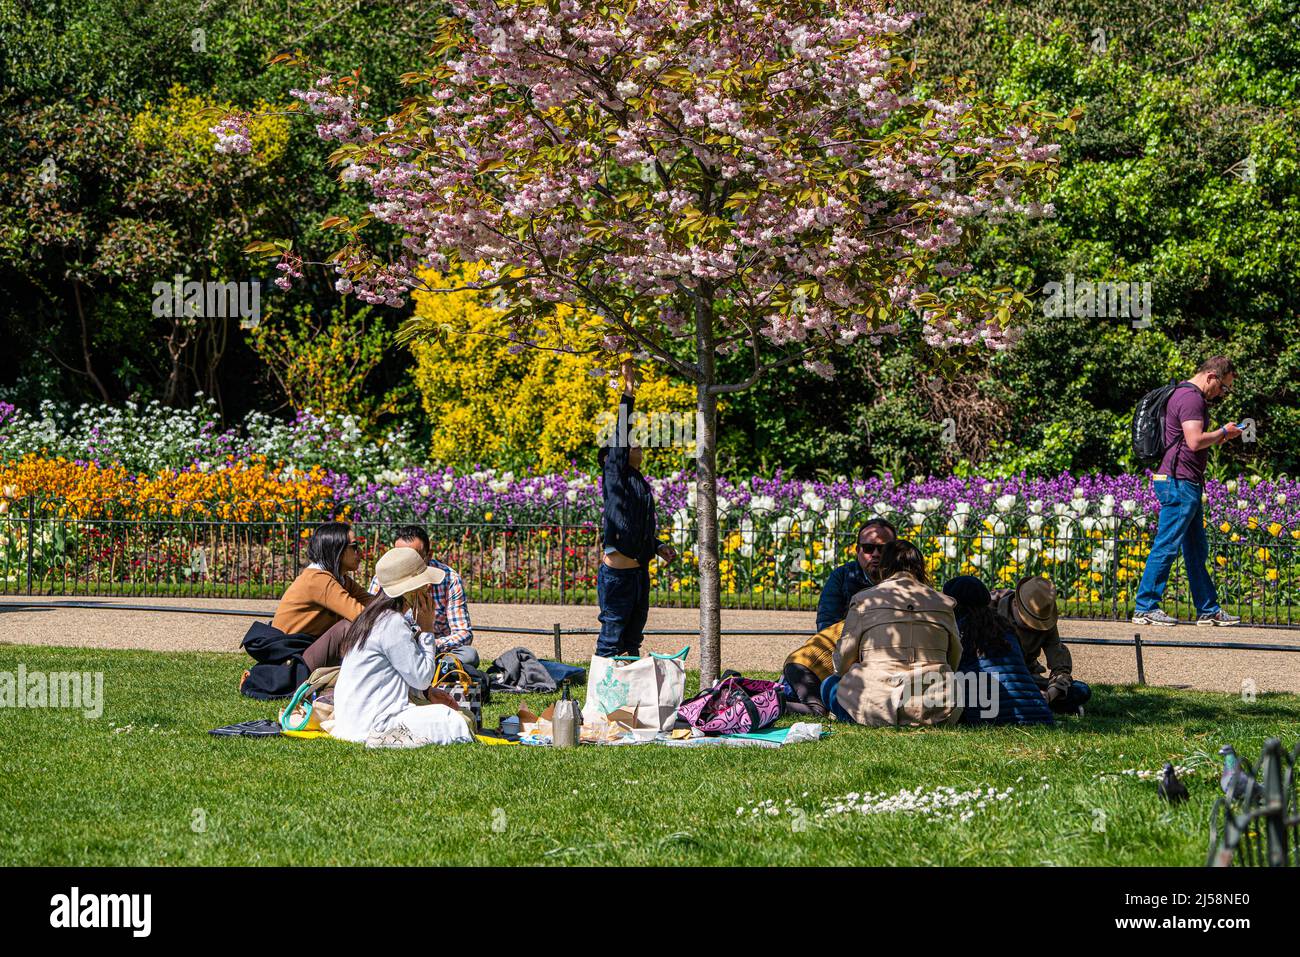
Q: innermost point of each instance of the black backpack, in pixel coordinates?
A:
(1149, 422)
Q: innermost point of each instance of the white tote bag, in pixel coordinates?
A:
(652, 687)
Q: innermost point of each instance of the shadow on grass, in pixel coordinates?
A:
(1124, 707)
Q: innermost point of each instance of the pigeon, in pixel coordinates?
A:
(1233, 779)
(1169, 787)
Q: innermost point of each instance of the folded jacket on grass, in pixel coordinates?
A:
(518, 670)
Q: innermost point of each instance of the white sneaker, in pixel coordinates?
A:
(1154, 617)
(398, 736)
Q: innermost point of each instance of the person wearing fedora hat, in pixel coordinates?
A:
(385, 658)
(1030, 607)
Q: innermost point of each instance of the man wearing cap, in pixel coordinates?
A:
(1031, 609)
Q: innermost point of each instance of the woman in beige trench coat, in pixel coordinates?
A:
(896, 654)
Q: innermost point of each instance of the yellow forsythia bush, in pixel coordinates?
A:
(183, 121)
(537, 407)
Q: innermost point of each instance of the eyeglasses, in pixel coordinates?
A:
(356, 545)
(871, 547)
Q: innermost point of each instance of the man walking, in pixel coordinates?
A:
(1178, 487)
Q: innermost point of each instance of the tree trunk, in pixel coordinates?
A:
(85, 343)
(706, 500)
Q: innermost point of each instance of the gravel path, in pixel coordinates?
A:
(1202, 668)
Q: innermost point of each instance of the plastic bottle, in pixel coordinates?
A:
(564, 721)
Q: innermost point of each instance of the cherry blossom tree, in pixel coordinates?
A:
(707, 176)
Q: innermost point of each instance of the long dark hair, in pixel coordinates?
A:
(326, 547)
(360, 629)
(983, 631)
(903, 556)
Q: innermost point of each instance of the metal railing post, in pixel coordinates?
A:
(297, 536)
(557, 643)
(564, 519)
(1137, 648)
(1272, 776)
(31, 539)
(1114, 576)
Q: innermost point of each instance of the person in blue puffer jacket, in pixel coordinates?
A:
(989, 648)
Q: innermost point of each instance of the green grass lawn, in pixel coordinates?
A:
(134, 786)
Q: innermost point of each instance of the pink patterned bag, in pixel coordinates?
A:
(735, 705)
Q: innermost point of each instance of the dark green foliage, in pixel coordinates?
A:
(1157, 186)
(1184, 172)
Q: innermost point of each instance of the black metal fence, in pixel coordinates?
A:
(1260, 826)
(773, 562)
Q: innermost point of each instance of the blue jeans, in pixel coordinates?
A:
(1182, 527)
(624, 597)
(829, 699)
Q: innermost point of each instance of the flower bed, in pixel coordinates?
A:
(113, 501)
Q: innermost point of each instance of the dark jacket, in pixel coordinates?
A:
(629, 518)
(1019, 700)
(844, 582)
(280, 668)
(518, 670)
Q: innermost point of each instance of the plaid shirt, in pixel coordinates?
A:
(451, 627)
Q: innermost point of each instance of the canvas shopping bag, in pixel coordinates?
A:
(652, 687)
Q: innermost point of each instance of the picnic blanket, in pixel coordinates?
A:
(769, 738)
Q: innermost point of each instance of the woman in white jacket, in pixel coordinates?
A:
(385, 659)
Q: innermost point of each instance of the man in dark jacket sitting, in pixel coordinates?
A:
(857, 573)
(629, 538)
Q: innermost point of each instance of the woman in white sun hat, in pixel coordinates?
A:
(384, 659)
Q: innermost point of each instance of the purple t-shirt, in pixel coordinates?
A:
(1185, 405)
